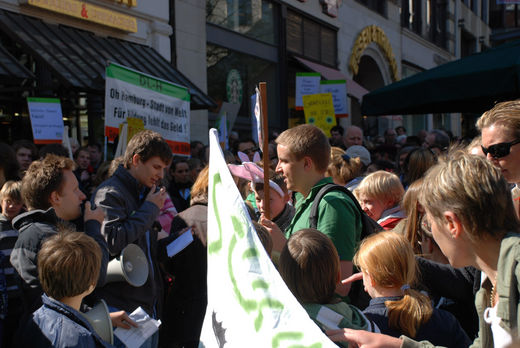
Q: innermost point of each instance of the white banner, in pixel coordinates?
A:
(249, 304)
(163, 106)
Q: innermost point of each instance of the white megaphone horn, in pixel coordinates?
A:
(99, 318)
(131, 266)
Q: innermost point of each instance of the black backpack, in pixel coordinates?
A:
(357, 295)
(369, 225)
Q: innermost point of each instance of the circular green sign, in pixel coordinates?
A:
(234, 87)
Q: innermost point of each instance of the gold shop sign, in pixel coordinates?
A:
(129, 3)
(90, 13)
(374, 34)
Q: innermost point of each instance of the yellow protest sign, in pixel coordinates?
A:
(135, 125)
(319, 111)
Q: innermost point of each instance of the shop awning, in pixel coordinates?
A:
(471, 84)
(353, 88)
(11, 71)
(78, 57)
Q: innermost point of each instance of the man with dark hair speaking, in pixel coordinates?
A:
(131, 204)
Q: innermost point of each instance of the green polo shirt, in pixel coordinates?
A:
(338, 218)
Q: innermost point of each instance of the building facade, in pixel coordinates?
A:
(224, 48)
(367, 42)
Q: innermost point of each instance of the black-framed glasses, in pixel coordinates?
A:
(499, 150)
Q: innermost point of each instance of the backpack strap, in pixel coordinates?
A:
(313, 217)
(369, 226)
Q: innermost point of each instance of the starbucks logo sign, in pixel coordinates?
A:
(234, 87)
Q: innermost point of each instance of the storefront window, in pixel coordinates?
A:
(310, 39)
(253, 18)
(232, 78)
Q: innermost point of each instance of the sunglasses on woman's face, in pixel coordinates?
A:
(499, 150)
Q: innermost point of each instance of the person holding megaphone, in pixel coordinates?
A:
(68, 267)
(131, 201)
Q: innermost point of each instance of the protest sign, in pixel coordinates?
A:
(319, 111)
(248, 302)
(338, 89)
(222, 126)
(135, 125)
(231, 112)
(46, 120)
(162, 106)
(306, 83)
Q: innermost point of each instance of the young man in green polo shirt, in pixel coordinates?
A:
(304, 155)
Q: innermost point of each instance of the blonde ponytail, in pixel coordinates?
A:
(389, 260)
(409, 313)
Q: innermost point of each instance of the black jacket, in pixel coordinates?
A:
(34, 227)
(463, 285)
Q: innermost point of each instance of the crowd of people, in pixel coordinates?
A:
(403, 240)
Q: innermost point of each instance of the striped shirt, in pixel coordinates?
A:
(8, 237)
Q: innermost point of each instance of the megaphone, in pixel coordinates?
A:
(131, 266)
(99, 318)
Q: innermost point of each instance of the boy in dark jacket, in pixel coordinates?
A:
(68, 268)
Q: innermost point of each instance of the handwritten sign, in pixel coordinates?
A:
(46, 120)
(338, 89)
(319, 111)
(306, 83)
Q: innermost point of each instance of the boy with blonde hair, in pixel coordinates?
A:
(380, 195)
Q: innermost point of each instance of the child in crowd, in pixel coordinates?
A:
(380, 194)
(12, 205)
(388, 265)
(68, 268)
(309, 265)
(281, 212)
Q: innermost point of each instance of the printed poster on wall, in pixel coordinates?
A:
(163, 107)
(319, 111)
(338, 89)
(306, 83)
(46, 120)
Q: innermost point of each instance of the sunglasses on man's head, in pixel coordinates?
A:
(499, 150)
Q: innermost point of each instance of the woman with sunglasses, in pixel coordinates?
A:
(500, 129)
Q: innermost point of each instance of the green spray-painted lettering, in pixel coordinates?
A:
(291, 336)
(217, 245)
